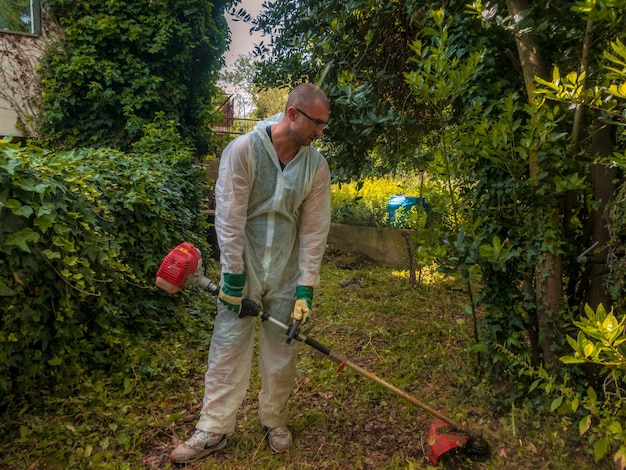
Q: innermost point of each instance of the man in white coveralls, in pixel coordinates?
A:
(272, 220)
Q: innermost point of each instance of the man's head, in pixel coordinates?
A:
(305, 94)
(307, 111)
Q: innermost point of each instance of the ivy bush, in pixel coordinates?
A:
(82, 234)
(122, 62)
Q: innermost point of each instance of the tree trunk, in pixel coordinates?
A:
(604, 189)
(549, 290)
(549, 277)
(528, 50)
(411, 253)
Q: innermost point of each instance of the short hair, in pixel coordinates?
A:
(304, 94)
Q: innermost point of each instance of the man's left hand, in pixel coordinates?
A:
(302, 308)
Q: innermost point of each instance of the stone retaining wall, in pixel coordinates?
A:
(385, 245)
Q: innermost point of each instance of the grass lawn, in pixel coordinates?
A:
(416, 339)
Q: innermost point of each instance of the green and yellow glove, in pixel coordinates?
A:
(231, 292)
(302, 309)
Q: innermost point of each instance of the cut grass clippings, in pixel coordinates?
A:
(419, 340)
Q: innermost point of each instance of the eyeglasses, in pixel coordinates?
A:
(317, 122)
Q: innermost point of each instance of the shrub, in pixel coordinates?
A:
(81, 236)
(122, 62)
(365, 202)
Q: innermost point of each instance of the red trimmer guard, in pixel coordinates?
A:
(441, 443)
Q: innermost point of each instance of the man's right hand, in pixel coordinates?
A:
(231, 292)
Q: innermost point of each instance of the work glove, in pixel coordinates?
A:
(302, 309)
(231, 292)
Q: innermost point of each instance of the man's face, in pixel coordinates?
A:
(310, 122)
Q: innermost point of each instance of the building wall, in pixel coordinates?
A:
(20, 88)
(8, 119)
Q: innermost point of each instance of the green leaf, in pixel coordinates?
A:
(128, 385)
(556, 76)
(123, 439)
(18, 208)
(600, 449)
(572, 342)
(6, 291)
(584, 425)
(32, 186)
(11, 165)
(70, 260)
(22, 238)
(44, 222)
(571, 360)
(533, 386)
(592, 394)
(55, 361)
(24, 432)
(429, 32)
(556, 403)
(615, 427)
(618, 90)
(63, 242)
(51, 254)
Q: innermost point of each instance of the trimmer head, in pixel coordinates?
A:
(441, 442)
(477, 447)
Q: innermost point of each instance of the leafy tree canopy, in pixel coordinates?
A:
(358, 52)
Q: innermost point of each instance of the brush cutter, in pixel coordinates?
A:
(183, 268)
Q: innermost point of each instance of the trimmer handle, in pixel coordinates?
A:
(293, 330)
(249, 308)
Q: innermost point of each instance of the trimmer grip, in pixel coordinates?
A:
(293, 330)
(319, 346)
(249, 308)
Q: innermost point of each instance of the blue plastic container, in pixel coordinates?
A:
(405, 202)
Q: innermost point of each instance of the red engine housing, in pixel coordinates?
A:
(177, 266)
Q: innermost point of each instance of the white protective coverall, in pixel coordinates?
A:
(271, 224)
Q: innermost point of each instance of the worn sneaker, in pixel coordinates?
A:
(198, 446)
(280, 439)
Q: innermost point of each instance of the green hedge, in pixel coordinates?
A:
(82, 234)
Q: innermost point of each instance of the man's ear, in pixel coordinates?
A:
(291, 113)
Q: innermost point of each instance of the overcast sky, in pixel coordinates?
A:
(242, 41)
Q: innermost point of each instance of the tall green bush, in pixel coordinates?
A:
(122, 62)
(82, 234)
